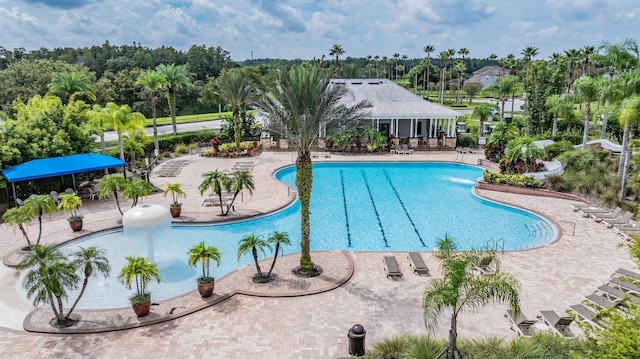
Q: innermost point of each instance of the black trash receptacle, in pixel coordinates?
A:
(356, 340)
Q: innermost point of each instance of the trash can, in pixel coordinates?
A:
(356, 340)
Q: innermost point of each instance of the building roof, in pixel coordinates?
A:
(391, 100)
(492, 70)
(58, 166)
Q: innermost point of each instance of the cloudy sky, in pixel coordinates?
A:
(308, 28)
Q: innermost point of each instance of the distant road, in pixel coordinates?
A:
(184, 127)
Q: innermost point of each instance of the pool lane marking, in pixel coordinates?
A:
(386, 175)
(346, 212)
(373, 203)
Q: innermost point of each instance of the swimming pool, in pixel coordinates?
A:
(355, 206)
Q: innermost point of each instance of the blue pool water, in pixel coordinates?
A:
(354, 206)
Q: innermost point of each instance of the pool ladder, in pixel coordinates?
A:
(494, 244)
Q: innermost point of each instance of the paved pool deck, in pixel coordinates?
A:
(309, 318)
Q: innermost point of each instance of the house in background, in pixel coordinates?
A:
(399, 113)
(488, 75)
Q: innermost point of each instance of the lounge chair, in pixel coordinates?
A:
(559, 325)
(617, 212)
(613, 294)
(520, 324)
(406, 149)
(577, 207)
(585, 315)
(398, 150)
(391, 267)
(626, 273)
(622, 220)
(625, 286)
(600, 301)
(417, 263)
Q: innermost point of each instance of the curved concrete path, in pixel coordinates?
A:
(552, 277)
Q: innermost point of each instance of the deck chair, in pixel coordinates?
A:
(417, 263)
(576, 207)
(520, 324)
(626, 273)
(559, 325)
(610, 215)
(621, 220)
(599, 301)
(585, 315)
(391, 267)
(406, 149)
(625, 286)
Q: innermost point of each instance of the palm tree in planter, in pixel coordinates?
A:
(252, 243)
(175, 189)
(204, 254)
(70, 202)
(279, 239)
(462, 288)
(141, 271)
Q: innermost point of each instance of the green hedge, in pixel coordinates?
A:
(512, 179)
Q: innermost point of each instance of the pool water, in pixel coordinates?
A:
(354, 206)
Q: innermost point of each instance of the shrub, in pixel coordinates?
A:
(181, 149)
(511, 179)
(467, 141)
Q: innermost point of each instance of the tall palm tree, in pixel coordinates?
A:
(49, 278)
(89, 261)
(557, 106)
(38, 205)
(452, 54)
(428, 49)
(463, 52)
(252, 243)
(279, 239)
(152, 81)
(573, 58)
(460, 288)
(376, 58)
(98, 120)
(176, 78)
(69, 85)
(587, 56)
(336, 50)
(235, 89)
(482, 112)
(507, 87)
(586, 91)
(529, 53)
(404, 65)
(629, 119)
(444, 56)
(303, 106)
(460, 69)
(121, 119)
(396, 57)
(109, 185)
(493, 58)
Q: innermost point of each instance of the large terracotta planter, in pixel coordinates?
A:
(175, 211)
(75, 225)
(142, 309)
(206, 289)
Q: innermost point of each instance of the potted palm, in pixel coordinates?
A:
(204, 254)
(139, 270)
(176, 192)
(70, 202)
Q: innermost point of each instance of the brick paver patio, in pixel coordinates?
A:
(312, 326)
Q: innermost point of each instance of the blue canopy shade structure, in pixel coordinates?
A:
(59, 166)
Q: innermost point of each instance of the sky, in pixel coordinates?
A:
(307, 29)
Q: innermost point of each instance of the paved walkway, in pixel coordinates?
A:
(552, 277)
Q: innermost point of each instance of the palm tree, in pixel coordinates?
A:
(529, 52)
(176, 78)
(214, 181)
(204, 254)
(376, 58)
(507, 88)
(152, 81)
(121, 119)
(303, 106)
(141, 271)
(404, 65)
(493, 58)
(460, 68)
(586, 91)
(238, 181)
(428, 49)
(573, 57)
(444, 56)
(451, 53)
(629, 119)
(460, 288)
(557, 106)
(18, 217)
(482, 111)
(98, 119)
(236, 90)
(396, 57)
(38, 205)
(109, 185)
(253, 243)
(49, 278)
(90, 261)
(336, 50)
(69, 85)
(135, 188)
(279, 238)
